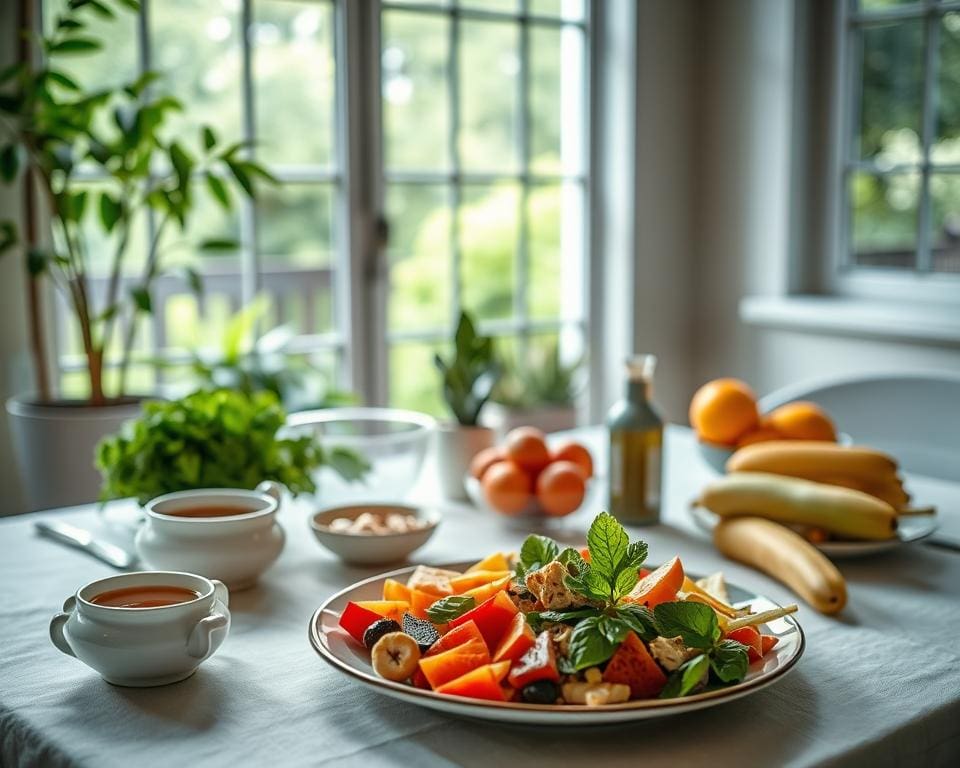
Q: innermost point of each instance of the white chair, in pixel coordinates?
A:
(914, 417)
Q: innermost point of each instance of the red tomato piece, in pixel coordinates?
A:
(355, 619)
(750, 637)
(482, 683)
(538, 663)
(632, 664)
(492, 618)
(516, 641)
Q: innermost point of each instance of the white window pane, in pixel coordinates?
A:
(294, 82)
(555, 227)
(570, 10)
(557, 94)
(884, 219)
(489, 232)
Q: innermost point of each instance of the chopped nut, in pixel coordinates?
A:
(595, 694)
(560, 635)
(593, 675)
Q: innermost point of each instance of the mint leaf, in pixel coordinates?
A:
(449, 608)
(686, 678)
(589, 645)
(639, 619)
(588, 584)
(696, 623)
(636, 555)
(608, 543)
(572, 557)
(730, 661)
(626, 580)
(613, 629)
(565, 616)
(535, 553)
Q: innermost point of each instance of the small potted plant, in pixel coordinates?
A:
(468, 381)
(539, 392)
(53, 131)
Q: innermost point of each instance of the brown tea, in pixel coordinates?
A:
(147, 596)
(212, 510)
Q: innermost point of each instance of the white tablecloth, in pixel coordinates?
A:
(878, 686)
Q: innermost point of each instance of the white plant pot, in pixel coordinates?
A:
(456, 446)
(54, 446)
(547, 418)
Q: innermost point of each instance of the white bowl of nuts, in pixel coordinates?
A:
(369, 534)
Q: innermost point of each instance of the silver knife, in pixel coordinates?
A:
(82, 539)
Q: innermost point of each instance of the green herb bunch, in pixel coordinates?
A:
(599, 628)
(213, 439)
(471, 374)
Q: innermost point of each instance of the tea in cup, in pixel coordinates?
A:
(144, 629)
(223, 533)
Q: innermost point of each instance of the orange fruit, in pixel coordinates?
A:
(484, 460)
(575, 452)
(723, 410)
(506, 487)
(526, 447)
(759, 435)
(802, 421)
(560, 488)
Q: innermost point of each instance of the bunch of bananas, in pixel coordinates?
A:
(778, 496)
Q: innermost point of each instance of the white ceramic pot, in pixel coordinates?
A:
(143, 647)
(55, 444)
(235, 549)
(547, 418)
(456, 446)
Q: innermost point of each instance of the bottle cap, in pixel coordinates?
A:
(641, 367)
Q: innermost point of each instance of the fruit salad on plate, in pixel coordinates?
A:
(558, 626)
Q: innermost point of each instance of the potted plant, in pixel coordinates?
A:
(52, 130)
(539, 392)
(468, 381)
(220, 438)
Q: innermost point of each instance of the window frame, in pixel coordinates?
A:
(840, 276)
(359, 179)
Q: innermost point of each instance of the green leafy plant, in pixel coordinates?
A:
(542, 379)
(470, 376)
(251, 364)
(599, 628)
(213, 439)
(52, 132)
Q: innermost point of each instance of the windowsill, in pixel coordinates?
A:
(843, 316)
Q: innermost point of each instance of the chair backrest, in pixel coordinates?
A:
(914, 417)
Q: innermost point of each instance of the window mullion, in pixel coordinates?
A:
(928, 129)
(249, 254)
(456, 194)
(521, 287)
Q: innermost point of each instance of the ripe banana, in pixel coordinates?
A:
(813, 460)
(785, 556)
(889, 489)
(790, 500)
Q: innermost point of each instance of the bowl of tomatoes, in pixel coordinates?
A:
(525, 477)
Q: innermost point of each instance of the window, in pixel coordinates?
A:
(901, 139)
(479, 115)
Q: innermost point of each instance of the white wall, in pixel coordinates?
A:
(743, 206)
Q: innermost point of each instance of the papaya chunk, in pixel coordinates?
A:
(661, 586)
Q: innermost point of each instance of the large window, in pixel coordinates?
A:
(901, 138)
(478, 120)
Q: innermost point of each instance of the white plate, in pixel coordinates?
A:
(337, 648)
(909, 529)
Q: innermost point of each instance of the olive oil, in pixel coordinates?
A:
(636, 448)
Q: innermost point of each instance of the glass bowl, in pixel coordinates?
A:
(393, 441)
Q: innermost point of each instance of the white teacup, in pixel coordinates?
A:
(143, 647)
(235, 548)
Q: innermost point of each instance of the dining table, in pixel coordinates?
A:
(877, 685)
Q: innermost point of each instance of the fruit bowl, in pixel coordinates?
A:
(533, 510)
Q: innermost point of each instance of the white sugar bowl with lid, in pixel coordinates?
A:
(222, 533)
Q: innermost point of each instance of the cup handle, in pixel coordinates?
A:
(57, 636)
(272, 489)
(199, 645)
(220, 592)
